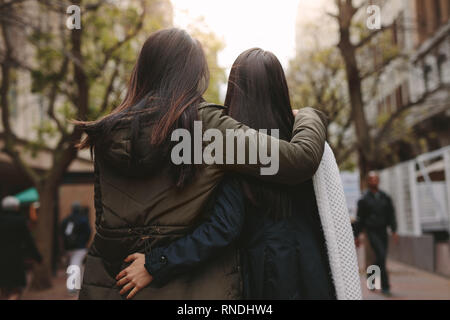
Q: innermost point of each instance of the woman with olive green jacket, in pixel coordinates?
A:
(137, 209)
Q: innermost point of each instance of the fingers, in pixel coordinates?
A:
(126, 288)
(131, 257)
(133, 292)
(122, 274)
(122, 281)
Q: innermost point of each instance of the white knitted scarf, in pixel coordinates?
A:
(337, 228)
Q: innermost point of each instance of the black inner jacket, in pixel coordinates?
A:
(286, 258)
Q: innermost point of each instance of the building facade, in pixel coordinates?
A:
(406, 73)
(420, 77)
(418, 177)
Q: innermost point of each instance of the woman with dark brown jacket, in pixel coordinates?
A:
(143, 199)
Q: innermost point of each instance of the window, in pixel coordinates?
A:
(388, 104)
(430, 15)
(437, 13)
(445, 10)
(399, 98)
(421, 20)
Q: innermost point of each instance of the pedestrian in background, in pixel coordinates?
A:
(76, 232)
(375, 215)
(16, 246)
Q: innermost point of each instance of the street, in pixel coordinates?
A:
(407, 284)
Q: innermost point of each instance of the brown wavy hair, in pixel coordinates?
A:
(167, 82)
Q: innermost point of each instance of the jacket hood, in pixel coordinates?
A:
(132, 157)
(126, 148)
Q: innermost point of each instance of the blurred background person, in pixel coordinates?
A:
(76, 232)
(16, 246)
(375, 214)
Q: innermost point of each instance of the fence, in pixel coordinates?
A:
(420, 190)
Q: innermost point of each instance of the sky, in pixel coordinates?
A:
(243, 24)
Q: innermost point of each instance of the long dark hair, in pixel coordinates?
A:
(258, 96)
(167, 83)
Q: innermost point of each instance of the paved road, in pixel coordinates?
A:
(407, 283)
(57, 292)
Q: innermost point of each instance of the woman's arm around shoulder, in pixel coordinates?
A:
(164, 263)
(298, 159)
(217, 232)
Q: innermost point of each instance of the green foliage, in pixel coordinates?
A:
(112, 35)
(317, 79)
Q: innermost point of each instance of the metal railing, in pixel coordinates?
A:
(420, 190)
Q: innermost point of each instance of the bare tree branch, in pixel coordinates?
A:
(394, 116)
(130, 35)
(8, 4)
(362, 42)
(380, 68)
(10, 138)
(53, 94)
(109, 89)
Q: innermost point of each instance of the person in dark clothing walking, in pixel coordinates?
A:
(76, 232)
(76, 228)
(16, 245)
(375, 214)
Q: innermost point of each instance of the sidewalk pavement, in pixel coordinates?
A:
(408, 283)
(57, 292)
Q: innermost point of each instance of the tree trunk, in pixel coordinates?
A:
(364, 142)
(42, 273)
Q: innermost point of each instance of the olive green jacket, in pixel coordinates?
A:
(135, 212)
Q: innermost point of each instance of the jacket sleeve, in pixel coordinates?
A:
(298, 159)
(392, 218)
(220, 230)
